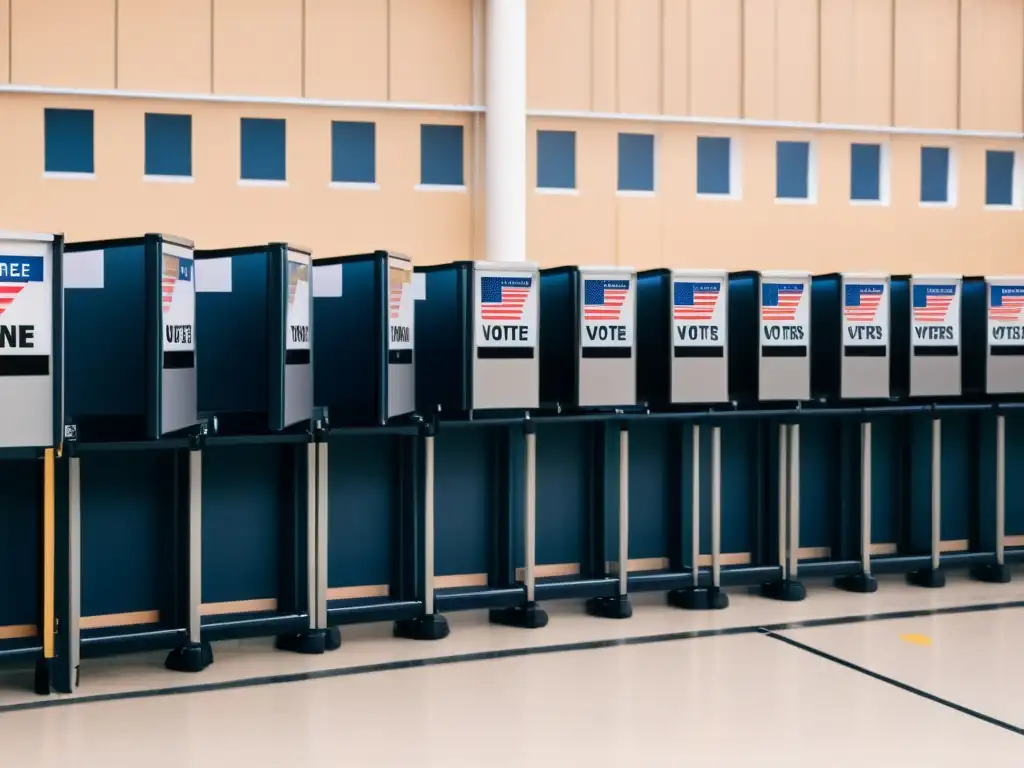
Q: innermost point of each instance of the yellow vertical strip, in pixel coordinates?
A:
(49, 504)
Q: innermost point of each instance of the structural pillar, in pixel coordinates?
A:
(505, 131)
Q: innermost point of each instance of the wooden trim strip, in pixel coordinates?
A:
(354, 593)
(268, 604)
(460, 580)
(1013, 541)
(18, 632)
(130, 619)
(814, 553)
(883, 549)
(550, 571)
(956, 545)
(726, 558)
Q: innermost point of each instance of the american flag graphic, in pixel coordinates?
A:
(603, 299)
(931, 302)
(503, 298)
(780, 300)
(862, 301)
(175, 269)
(16, 272)
(695, 301)
(297, 273)
(397, 278)
(1006, 302)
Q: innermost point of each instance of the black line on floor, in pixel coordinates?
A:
(895, 683)
(587, 645)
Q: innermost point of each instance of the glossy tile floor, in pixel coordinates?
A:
(762, 683)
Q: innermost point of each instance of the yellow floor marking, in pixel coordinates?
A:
(916, 639)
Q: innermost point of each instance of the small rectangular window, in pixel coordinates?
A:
(68, 141)
(168, 145)
(793, 172)
(353, 152)
(1000, 186)
(636, 162)
(866, 172)
(556, 160)
(441, 155)
(936, 175)
(714, 166)
(264, 156)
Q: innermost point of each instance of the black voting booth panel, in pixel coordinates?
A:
(588, 338)
(130, 369)
(477, 324)
(850, 358)
(926, 345)
(254, 354)
(993, 335)
(682, 337)
(363, 306)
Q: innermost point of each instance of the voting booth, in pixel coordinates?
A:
(850, 324)
(363, 307)
(588, 339)
(254, 355)
(31, 339)
(477, 325)
(770, 335)
(993, 335)
(925, 312)
(130, 307)
(682, 336)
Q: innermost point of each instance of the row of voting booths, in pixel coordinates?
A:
(212, 444)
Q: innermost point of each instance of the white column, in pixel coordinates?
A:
(505, 131)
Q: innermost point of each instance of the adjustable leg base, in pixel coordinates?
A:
(928, 578)
(698, 599)
(433, 626)
(617, 607)
(997, 573)
(332, 641)
(194, 657)
(310, 643)
(787, 590)
(861, 583)
(529, 616)
(41, 684)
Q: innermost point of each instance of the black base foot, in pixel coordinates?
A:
(333, 640)
(788, 590)
(41, 684)
(310, 643)
(992, 574)
(529, 616)
(698, 599)
(928, 578)
(862, 583)
(431, 627)
(617, 607)
(194, 657)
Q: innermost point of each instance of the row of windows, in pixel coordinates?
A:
(69, 148)
(69, 139)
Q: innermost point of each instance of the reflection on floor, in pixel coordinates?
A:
(718, 700)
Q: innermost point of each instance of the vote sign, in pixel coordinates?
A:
(506, 308)
(607, 318)
(299, 297)
(785, 312)
(26, 302)
(178, 288)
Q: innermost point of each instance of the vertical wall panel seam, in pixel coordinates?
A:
(213, 44)
(776, 78)
(892, 63)
(618, 60)
(590, 56)
(741, 111)
(117, 14)
(959, 63)
(302, 53)
(689, 57)
(661, 58)
(10, 41)
(818, 109)
(387, 48)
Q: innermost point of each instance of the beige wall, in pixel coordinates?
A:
(949, 64)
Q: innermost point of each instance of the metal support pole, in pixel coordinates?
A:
(623, 510)
(794, 500)
(936, 491)
(783, 498)
(311, 521)
(74, 571)
(865, 497)
(47, 630)
(695, 505)
(428, 525)
(716, 506)
(1000, 490)
(530, 493)
(195, 545)
(321, 534)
